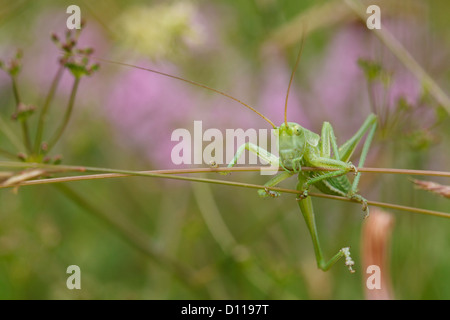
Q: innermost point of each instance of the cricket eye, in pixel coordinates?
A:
(297, 131)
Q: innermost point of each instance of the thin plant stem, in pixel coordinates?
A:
(386, 205)
(23, 122)
(26, 135)
(67, 115)
(10, 164)
(213, 218)
(8, 154)
(169, 232)
(223, 236)
(4, 127)
(384, 113)
(373, 105)
(405, 57)
(137, 239)
(204, 180)
(44, 111)
(16, 92)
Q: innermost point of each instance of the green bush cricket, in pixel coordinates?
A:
(299, 147)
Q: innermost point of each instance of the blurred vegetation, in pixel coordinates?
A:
(237, 245)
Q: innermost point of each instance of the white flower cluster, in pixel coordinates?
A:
(157, 31)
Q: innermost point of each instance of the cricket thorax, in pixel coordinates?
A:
(287, 159)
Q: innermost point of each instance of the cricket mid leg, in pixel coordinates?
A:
(327, 162)
(307, 182)
(340, 167)
(308, 214)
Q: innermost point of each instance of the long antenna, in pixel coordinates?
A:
(191, 82)
(292, 77)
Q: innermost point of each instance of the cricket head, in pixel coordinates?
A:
(293, 142)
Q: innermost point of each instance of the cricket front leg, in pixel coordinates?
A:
(263, 154)
(308, 214)
(268, 157)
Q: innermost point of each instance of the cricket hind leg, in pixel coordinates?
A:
(347, 149)
(308, 214)
(326, 159)
(342, 155)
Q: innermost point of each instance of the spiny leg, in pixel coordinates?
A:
(310, 181)
(268, 157)
(272, 182)
(260, 152)
(308, 214)
(325, 162)
(328, 143)
(363, 156)
(348, 148)
(343, 154)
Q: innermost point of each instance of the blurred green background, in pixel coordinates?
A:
(145, 238)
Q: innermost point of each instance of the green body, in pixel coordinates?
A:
(300, 147)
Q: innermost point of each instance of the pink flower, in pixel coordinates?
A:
(146, 108)
(338, 88)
